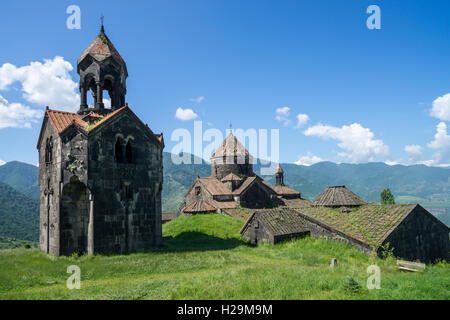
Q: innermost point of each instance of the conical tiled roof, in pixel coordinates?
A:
(338, 196)
(102, 48)
(231, 147)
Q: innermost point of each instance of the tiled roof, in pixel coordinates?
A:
(91, 116)
(231, 147)
(225, 204)
(338, 196)
(296, 203)
(285, 190)
(199, 207)
(214, 186)
(102, 48)
(282, 221)
(61, 119)
(244, 185)
(231, 177)
(370, 223)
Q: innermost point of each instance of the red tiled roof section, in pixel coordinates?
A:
(108, 116)
(61, 119)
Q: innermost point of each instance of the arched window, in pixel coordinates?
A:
(129, 152)
(118, 150)
(49, 150)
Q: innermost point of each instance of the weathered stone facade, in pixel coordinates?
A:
(101, 180)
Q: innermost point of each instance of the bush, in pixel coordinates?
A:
(27, 246)
(351, 285)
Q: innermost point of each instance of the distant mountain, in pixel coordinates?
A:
(419, 183)
(21, 176)
(428, 186)
(19, 215)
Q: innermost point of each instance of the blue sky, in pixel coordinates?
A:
(367, 94)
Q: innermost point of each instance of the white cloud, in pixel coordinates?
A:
(107, 103)
(441, 108)
(308, 160)
(2, 162)
(185, 114)
(198, 100)
(414, 152)
(357, 142)
(392, 163)
(302, 119)
(282, 115)
(441, 143)
(16, 115)
(45, 84)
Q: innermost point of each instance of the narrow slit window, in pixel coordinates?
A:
(129, 152)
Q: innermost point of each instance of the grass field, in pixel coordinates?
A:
(207, 259)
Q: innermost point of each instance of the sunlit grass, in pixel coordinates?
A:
(207, 259)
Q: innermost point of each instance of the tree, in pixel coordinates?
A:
(387, 197)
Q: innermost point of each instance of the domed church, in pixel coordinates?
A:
(232, 183)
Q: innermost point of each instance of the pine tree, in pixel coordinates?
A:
(387, 197)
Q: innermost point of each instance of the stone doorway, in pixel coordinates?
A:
(74, 218)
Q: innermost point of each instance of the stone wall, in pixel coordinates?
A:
(127, 196)
(256, 196)
(221, 168)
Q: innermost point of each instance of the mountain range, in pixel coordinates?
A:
(428, 186)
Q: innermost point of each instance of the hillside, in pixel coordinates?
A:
(425, 185)
(21, 176)
(207, 259)
(19, 215)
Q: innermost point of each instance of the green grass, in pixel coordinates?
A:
(207, 259)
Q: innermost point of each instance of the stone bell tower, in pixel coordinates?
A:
(102, 68)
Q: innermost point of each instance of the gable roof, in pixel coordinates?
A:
(338, 196)
(282, 221)
(62, 120)
(369, 223)
(231, 147)
(199, 207)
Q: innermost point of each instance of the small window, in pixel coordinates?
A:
(118, 150)
(257, 224)
(198, 191)
(49, 150)
(128, 192)
(129, 152)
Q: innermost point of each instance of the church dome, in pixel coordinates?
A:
(231, 158)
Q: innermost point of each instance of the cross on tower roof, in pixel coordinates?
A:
(102, 19)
